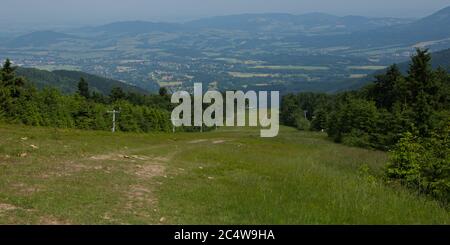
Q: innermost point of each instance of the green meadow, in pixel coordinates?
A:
(293, 67)
(227, 176)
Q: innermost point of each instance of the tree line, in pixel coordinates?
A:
(407, 115)
(22, 103)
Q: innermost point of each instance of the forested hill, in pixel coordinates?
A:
(440, 59)
(39, 39)
(67, 81)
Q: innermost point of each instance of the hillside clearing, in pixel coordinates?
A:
(230, 176)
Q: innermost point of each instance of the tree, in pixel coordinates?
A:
(319, 121)
(420, 73)
(163, 92)
(98, 98)
(423, 88)
(289, 108)
(423, 163)
(83, 88)
(10, 81)
(354, 121)
(11, 91)
(383, 91)
(7, 71)
(117, 94)
(302, 123)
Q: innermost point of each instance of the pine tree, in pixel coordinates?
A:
(163, 92)
(117, 94)
(384, 92)
(83, 88)
(7, 71)
(422, 86)
(420, 73)
(13, 84)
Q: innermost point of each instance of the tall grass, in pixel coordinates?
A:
(228, 176)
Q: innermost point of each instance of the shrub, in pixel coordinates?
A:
(423, 164)
(302, 123)
(357, 138)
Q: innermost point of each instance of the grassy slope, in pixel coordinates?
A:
(228, 176)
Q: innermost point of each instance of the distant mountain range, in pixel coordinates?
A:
(67, 81)
(309, 52)
(432, 28)
(307, 29)
(442, 59)
(134, 27)
(313, 22)
(270, 22)
(39, 39)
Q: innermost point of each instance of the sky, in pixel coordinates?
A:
(92, 12)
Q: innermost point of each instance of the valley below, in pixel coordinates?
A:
(290, 53)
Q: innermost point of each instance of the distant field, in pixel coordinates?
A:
(289, 67)
(229, 176)
(366, 67)
(269, 75)
(229, 60)
(357, 76)
(170, 84)
(249, 75)
(238, 61)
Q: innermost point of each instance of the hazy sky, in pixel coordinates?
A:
(60, 12)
